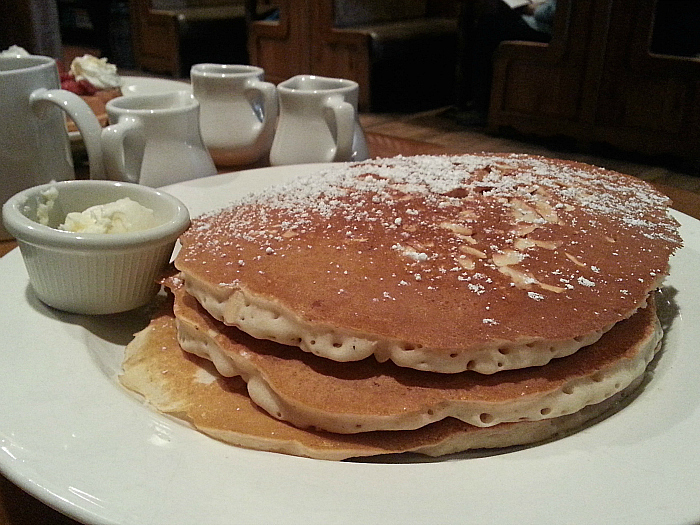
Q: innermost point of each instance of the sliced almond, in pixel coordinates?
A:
(574, 259)
(546, 211)
(547, 245)
(457, 228)
(507, 257)
(466, 238)
(524, 213)
(551, 288)
(468, 214)
(523, 229)
(523, 243)
(472, 251)
(520, 278)
(466, 262)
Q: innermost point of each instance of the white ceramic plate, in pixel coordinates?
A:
(132, 86)
(73, 438)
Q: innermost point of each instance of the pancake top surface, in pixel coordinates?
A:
(444, 253)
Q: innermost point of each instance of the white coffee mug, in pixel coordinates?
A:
(155, 140)
(34, 144)
(238, 111)
(318, 122)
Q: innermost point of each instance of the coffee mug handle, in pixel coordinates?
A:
(341, 116)
(86, 121)
(123, 146)
(267, 92)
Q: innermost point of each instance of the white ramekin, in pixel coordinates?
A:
(93, 273)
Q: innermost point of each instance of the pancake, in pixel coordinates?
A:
(97, 102)
(183, 387)
(444, 264)
(309, 391)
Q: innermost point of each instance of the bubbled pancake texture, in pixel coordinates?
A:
(438, 263)
(363, 396)
(157, 369)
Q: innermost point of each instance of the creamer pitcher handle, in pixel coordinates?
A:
(265, 92)
(84, 118)
(340, 116)
(124, 163)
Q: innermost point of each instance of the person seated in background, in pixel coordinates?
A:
(494, 23)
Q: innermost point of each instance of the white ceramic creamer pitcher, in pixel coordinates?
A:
(155, 140)
(34, 144)
(238, 111)
(318, 122)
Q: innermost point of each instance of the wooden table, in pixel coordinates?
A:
(18, 508)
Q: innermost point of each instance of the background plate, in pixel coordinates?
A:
(134, 85)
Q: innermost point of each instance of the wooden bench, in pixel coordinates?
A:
(598, 82)
(169, 36)
(401, 53)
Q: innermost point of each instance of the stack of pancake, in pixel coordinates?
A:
(425, 304)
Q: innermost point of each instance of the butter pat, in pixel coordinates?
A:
(121, 216)
(45, 205)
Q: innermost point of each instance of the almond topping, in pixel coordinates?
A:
(457, 228)
(524, 213)
(523, 244)
(507, 257)
(467, 238)
(466, 262)
(519, 278)
(547, 245)
(546, 211)
(551, 288)
(521, 230)
(574, 259)
(472, 251)
(468, 214)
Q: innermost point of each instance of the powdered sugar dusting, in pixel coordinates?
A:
(444, 180)
(494, 227)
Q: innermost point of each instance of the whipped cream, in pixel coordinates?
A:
(97, 71)
(121, 216)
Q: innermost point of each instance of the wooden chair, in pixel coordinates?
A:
(401, 53)
(170, 36)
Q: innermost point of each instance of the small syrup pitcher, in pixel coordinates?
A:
(155, 140)
(318, 122)
(238, 112)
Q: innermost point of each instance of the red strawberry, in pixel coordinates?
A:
(79, 87)
(88, 89)
(70, 84)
